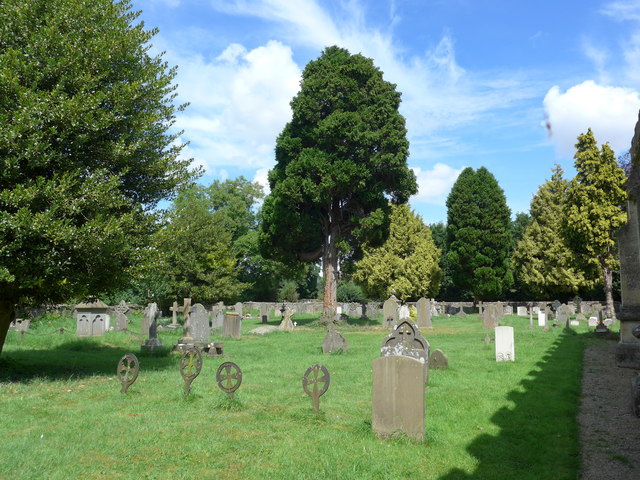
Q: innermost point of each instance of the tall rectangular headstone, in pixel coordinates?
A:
(424, 313)
(390, 309)
(505, 345)
(398, 396)
(542, 319)
(199, 322)
(238, 308)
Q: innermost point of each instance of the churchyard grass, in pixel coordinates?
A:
(63, 415)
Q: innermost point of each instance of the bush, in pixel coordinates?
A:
(350, 292)
(288, 291)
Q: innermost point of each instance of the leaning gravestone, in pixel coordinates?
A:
(334, 341)
(505, 346)
(424, 313)
(438, 359)
(232, 326)
(199, 320)
(398, 396)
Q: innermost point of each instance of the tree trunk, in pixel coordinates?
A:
(6, 315)
(330, 272)
(607, 276)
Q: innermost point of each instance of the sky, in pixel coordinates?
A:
(501, 84)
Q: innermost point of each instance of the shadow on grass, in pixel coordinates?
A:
(73, 359)
(539, 435)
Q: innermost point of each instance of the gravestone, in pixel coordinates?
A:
(403, 312)
(122, 322)
(522, 311)
(542, 319)
(505, 346)
(238, 308)
(19, 325)
(438, 359)
(150, 314)
(264, 313)
(508, 310)
(199, 321)
(424, 313)
(398, 396)
(562, 315)
(390, 310)
(490, 316)
(92, 319)
(232, 325)
(406, 340)
(286, 324)
(334, 341)
(217, 317)
(592, 322)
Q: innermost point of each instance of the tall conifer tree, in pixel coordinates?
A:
(479, 236)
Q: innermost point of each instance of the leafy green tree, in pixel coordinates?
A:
(479, 236)
(543, 261)
(339, 161)
(594, 208)
(407, 264)
(195, 250)
(235, 201)
(85, 148)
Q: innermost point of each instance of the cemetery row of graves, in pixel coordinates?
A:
(257, 393)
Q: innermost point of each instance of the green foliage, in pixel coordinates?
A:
(407, 263)
(594, 208)
(478, 236)
(351, 293)
(544, 262)
(339, 160)
(85, 151)
(288, 291)
(195, 251)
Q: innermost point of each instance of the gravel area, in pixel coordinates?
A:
(609, 431)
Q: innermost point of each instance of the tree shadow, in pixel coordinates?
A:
(538, 436)
(73, 359)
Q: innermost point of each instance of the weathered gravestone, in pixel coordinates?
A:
(217, 317)
(232, 326)
(398, 396)
(490, 316)
(153, 343)
(390, 310)
(403, 312)
(238, 308)
(505, 346)
(592, 321)
(522, 311)
(508, 310)
(334, 341)
(406, 340)
(286, 324)
(438, 359)
(150, 314)
(92, 319)
(562, 315)
(199, 321)
(424, 313)
(122, 322)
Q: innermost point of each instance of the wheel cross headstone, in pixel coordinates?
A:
(128, 369)
(190, 366)
(315, 383)
(229, 378)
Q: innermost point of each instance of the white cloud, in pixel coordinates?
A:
(261, 177)
(239, 103)
(623, 10)
(610, 112)
(434, 185)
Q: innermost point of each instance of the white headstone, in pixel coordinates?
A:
(505, 345)
(403, 312)
(522, 311)
(542, 319)
(593, 321)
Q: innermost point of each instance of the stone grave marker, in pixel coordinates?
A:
(508, 310)
(398, 396)
(505, 345)
(232, 326)
(490, 316)
(542, 319)
(390, 310)
(562, 315)
(334, 341)
(406, 340)
(122, 321)
(217, 317)
(199, 321)
(127, 371)
(315, 383)
(153, 343)
(190, 367)
(403, 312)
(438, 359)
(264, 313)
(593, 321)
(229, 378)
(238, 308)
(150, 314)
(424, 313)
(287, 324)
(92, 319)
(522, 311)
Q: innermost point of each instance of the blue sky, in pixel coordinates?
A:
(503, 84)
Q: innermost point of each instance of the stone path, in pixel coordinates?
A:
(609, 431)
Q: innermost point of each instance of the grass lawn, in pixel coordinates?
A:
(63, 415)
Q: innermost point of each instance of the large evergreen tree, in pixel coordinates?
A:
(478, 236)
(594, 208)
(339, 161)
(407, 264)
(85, 147)
(546, 265)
